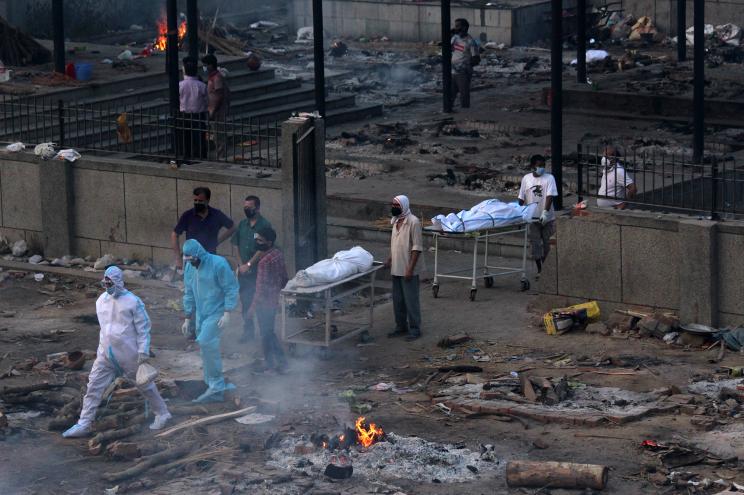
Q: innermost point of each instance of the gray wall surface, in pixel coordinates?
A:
(522, 23)
(634, 259)
(664, 12)
(125, 208)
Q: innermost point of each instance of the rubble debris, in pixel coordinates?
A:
(19, 248)
(539, 474)
(338, 49)
(104, 262)
(205, 421)
(19, 49)
(339, 467)
(453, 340)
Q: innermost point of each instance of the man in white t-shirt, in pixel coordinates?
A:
(616, 184)
(539, 187)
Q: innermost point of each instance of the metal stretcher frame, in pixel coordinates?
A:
(325, 294)
(488, 272)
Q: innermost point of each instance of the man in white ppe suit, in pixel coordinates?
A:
(124, 344)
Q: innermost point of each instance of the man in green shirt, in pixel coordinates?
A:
(245, 239)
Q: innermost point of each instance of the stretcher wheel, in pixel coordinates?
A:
(435, 290)
(365, 337)
(525, 285)
(488, 281)
(472, 294)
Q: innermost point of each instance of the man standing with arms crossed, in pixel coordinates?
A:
(406, 245)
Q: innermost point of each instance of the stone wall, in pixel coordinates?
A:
(125, 208)
(636, 259)
(521, 23)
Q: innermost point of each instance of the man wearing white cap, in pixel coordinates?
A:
(406, 245)
(124, 344)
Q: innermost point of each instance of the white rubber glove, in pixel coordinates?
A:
(185, 330)
(225, 320)
(544, 217)
(143, 358)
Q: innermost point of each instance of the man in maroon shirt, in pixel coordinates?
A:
(271, 278)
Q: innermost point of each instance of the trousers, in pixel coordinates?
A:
(539, 236)
(406, 305)
(273, 352)
(247, 291)
(461, 84)
(104, 371)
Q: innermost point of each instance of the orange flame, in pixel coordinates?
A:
(161, 42)
(367, 436)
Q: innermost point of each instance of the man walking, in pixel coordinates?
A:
(124, 344)
(245, 239)
(202, 223)
(406, 245)
(539, 187)
(465, 55)
(270, 280)
(210, 293)
(219, 102)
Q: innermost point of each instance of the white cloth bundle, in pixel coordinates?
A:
(487, 214)
(343, 264)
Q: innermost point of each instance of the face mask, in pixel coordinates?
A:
(204, 69)
(195, 262)
(540, 170)
(261, 246)
(200, 207)
(249, 212)
(109, 286)
(396, 210)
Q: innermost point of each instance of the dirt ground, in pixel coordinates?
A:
(56, 315)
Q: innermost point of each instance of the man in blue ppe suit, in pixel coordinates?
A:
(124, 344)
(210, 293)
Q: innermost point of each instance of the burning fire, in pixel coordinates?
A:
(369, 434)
(161, 42)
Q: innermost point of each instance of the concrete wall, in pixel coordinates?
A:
(125, 208)
(635, 259)
(522, 23)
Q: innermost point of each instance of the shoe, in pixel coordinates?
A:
(397, 333)
(412, 337)
(210, 396)
(77, 431)
(160, 420)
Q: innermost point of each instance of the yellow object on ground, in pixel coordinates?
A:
(554, 319)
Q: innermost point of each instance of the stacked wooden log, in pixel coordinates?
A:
(19, 49)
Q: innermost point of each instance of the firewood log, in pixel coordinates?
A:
(96, 444)
(540, 474)
(150, 461)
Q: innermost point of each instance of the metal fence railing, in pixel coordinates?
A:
(661, 182)
(145, 130)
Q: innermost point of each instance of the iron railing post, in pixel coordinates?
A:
(714, 189)
(579, 178)
(61, 122)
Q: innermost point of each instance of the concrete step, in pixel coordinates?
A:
(238, 81)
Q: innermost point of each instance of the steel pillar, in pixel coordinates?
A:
(58, 27)
(681, 30)
(581, 41)
(699, 82)
(446, 57)
(319, 57)
(192, 20)
(556, 93)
